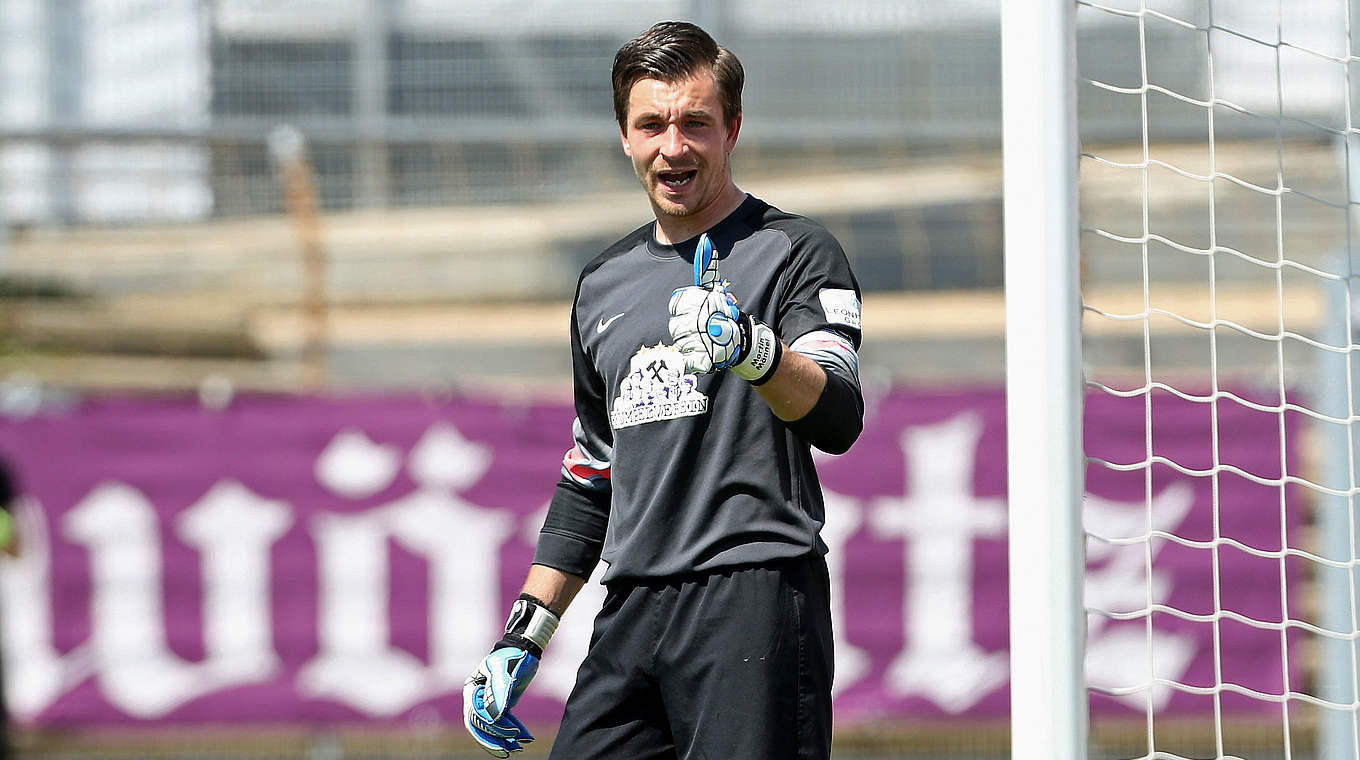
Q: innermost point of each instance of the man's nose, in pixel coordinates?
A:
(672, 142)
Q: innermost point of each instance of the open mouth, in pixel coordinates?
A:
(677, 179)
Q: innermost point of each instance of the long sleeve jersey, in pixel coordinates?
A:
(673, 473)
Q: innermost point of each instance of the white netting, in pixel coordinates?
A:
(1216, 203)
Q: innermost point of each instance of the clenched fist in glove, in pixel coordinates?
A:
(711, 333)
(496, 685)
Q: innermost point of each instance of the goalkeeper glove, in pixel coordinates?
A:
(711, 333)
(502, 677)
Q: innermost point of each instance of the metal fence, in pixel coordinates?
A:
(412, 107)
(120, 112)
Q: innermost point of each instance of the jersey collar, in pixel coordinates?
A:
(732, 228)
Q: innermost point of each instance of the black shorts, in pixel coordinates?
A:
(736, 665)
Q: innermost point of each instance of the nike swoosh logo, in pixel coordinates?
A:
(605, 323)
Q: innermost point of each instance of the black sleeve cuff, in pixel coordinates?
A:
(837, 418)
(570, 555)
(573, 532)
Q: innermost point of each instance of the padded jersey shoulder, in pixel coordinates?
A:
(618, 248)
(801, 230)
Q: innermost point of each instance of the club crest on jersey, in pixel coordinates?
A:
(656, 388)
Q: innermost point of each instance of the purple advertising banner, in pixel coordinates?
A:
(347, 559)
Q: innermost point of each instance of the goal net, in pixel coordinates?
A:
(1217, 279)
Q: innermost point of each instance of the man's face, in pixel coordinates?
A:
(679, 143)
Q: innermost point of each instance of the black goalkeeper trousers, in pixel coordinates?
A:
(736, 665)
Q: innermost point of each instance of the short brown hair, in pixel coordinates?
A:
(673, 51)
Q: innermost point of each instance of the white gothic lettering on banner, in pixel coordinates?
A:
(938, 518)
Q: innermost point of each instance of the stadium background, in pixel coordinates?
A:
(166, 239)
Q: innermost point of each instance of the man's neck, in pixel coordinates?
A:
(675, 229)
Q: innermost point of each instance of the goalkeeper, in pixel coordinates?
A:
(712, 348)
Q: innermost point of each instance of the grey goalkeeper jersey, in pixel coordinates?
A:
(671, 473)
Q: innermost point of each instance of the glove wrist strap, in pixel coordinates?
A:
(763, 351)
(530, 625)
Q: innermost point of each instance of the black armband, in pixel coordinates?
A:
(837, 418)
(530, 626)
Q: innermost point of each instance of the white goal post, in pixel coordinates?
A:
(1043, 380)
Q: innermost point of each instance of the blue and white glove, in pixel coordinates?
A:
(711, 333)
(497, 683)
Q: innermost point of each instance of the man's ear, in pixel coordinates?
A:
(732, 131)
(627, 149)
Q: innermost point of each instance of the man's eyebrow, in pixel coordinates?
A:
(687, 113)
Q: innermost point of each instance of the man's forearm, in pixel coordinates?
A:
(822, 407)
(795, 386)
(553, 587)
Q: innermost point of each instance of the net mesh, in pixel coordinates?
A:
(1217, 294)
